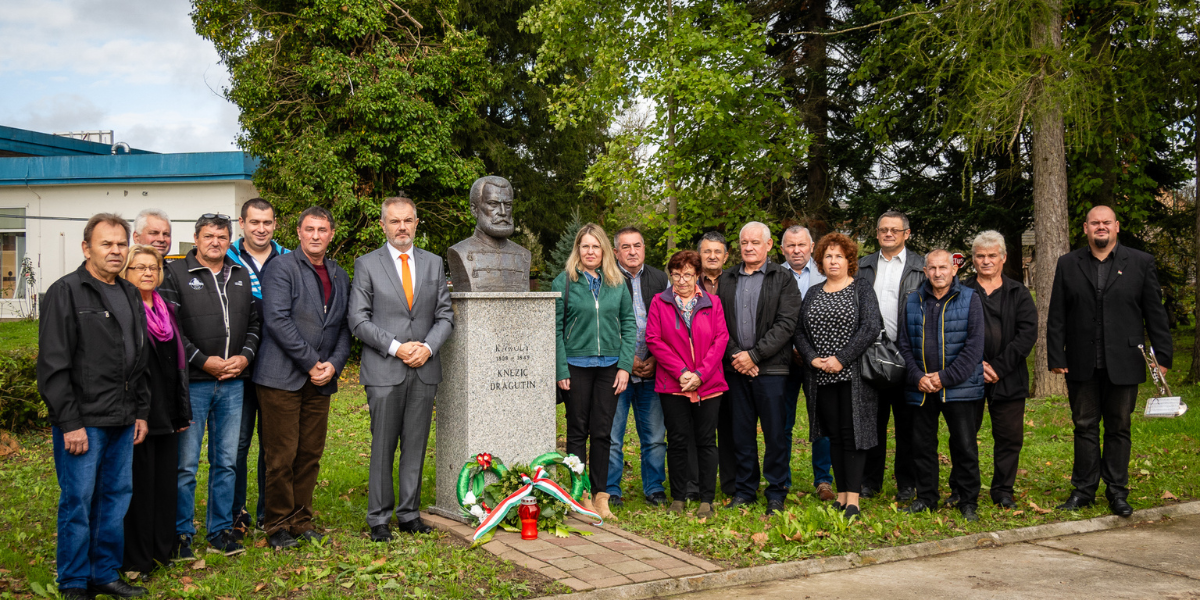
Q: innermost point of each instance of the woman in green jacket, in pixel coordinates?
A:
(594, 344)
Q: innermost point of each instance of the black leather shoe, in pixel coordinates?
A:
(414, 526)
(774, 506)
(380, 533)
(1120, 507)
(1075, 502)
(838, 506)
(737, 501)
(655, 499)
(1006, 502)
(118, 589)
(851, 510)
(968, 512)
(615, 502)
(281, 540)
(918, 506)
(75, 594)
(868, 492)
(953, 500)
(906, 494)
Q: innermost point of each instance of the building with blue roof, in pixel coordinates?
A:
(51, 184)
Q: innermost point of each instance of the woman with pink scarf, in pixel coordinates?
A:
(150, 522)
(686, 333)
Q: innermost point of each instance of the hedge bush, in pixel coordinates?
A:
(20, 405)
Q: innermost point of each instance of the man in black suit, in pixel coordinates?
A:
(1106, 298)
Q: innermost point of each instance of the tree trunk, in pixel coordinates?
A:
(1049, 194)
(815, 111)
(1194, 372)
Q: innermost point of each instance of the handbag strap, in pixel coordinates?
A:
(566, 302)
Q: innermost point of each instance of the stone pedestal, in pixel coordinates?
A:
(498, 385)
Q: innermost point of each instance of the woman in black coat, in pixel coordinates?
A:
(150, 521)
(839, 320)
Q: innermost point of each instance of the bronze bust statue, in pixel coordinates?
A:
(487, 261)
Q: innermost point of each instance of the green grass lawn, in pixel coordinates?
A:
(18, 334)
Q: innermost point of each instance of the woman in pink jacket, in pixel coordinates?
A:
(686, 334)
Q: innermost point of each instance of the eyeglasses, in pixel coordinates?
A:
(682, 276)
(217, 216)
(141, 268)
(893, 231)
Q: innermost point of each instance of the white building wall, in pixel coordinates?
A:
(56, 245)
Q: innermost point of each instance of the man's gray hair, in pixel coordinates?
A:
(893, 214)
(139, 222)
(936, 251)
(794, 229)
(713, 236)
(396, 200)
(766, 231)
(989, 239)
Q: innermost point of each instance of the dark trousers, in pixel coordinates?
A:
(590, 411)
(1008, 435)
(758, 401)
(964, 451)
(727, 464)
(691, 439)
(821, 463)
(892, 402)
(835, 409)
(150, 522)
(293, 438)
(1093, 401)
(251, 422)
(400, 416)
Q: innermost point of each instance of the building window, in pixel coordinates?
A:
(12, 252)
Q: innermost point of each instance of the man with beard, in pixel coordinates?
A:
(1106, 299)
(487, 261)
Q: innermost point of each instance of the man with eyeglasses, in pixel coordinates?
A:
(895, 272)
(221, 334)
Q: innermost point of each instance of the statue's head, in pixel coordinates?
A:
(492, 206)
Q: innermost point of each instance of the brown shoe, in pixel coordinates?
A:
(676, 507)
(825, 492)
(601, 502)
(586, 501)
(705, 511)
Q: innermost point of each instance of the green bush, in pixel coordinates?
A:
(20, 405)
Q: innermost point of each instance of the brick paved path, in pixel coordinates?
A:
(607, 558)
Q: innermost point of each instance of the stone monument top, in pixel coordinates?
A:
(488, 261)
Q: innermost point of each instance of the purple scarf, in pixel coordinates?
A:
(158, 320)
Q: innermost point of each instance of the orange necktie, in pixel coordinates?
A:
(406, 279)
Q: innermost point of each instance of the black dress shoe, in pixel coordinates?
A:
(774, 506)
(737, 501)
(281, 540)
(851, 511)
(118, 588)
(380, 533)
(414, 526)
(76, 593)
(906, 494)
(838, 506)
(868, 492)
(615, 502)
(919, 506)
(1006, 502)
(968, 512)
(655, 499)
(1120, 507)
(953, 500)
(1075, 502)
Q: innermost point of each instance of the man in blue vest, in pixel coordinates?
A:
(253, 251)
(941, 339)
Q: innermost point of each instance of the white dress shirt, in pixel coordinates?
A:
(887, 289)
(412, 273)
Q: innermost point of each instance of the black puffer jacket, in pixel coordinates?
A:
(778, 310)
(212, 326)
(80, 366)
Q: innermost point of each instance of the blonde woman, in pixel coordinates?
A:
(595, 344)
(150, 522)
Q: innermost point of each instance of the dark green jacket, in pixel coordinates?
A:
(594, 327)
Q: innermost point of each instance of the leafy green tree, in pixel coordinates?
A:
(562, 251)
(350, 101)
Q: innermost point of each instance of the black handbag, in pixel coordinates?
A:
(881, 364)
(562, 394)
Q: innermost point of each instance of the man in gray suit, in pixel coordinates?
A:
(400, 309)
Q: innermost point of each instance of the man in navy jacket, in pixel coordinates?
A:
(306, 342)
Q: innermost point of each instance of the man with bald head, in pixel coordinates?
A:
(1105, 301)
(941, 339)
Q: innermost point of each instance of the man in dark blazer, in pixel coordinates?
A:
(305, 345)
(1106, 300)
(400, 309)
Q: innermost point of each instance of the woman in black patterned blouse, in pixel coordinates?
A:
(838, 321)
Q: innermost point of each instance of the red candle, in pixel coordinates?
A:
(528, 512)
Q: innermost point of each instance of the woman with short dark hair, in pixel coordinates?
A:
(686, 333)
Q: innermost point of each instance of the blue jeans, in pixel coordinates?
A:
(250, 414)
(217, 405)
(652, 433)
(822, 461)
(94, 492)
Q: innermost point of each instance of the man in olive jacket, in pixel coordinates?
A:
(91, 370)
(762, 305)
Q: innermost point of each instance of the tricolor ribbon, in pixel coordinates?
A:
(541, 482)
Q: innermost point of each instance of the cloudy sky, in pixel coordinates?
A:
(133, 66)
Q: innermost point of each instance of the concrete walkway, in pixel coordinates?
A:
(1146, 560)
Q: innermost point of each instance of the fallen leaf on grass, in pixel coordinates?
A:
(821, 533)
(1018, 512)
(1039, 510)
(1022, 472)
(262, 543)
(703, 520)
(380, 562)
(1167, 495)
(759, 538)
(199, 565)
(189, 588)
(186, 580)
(258, 588)
(734, 534)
